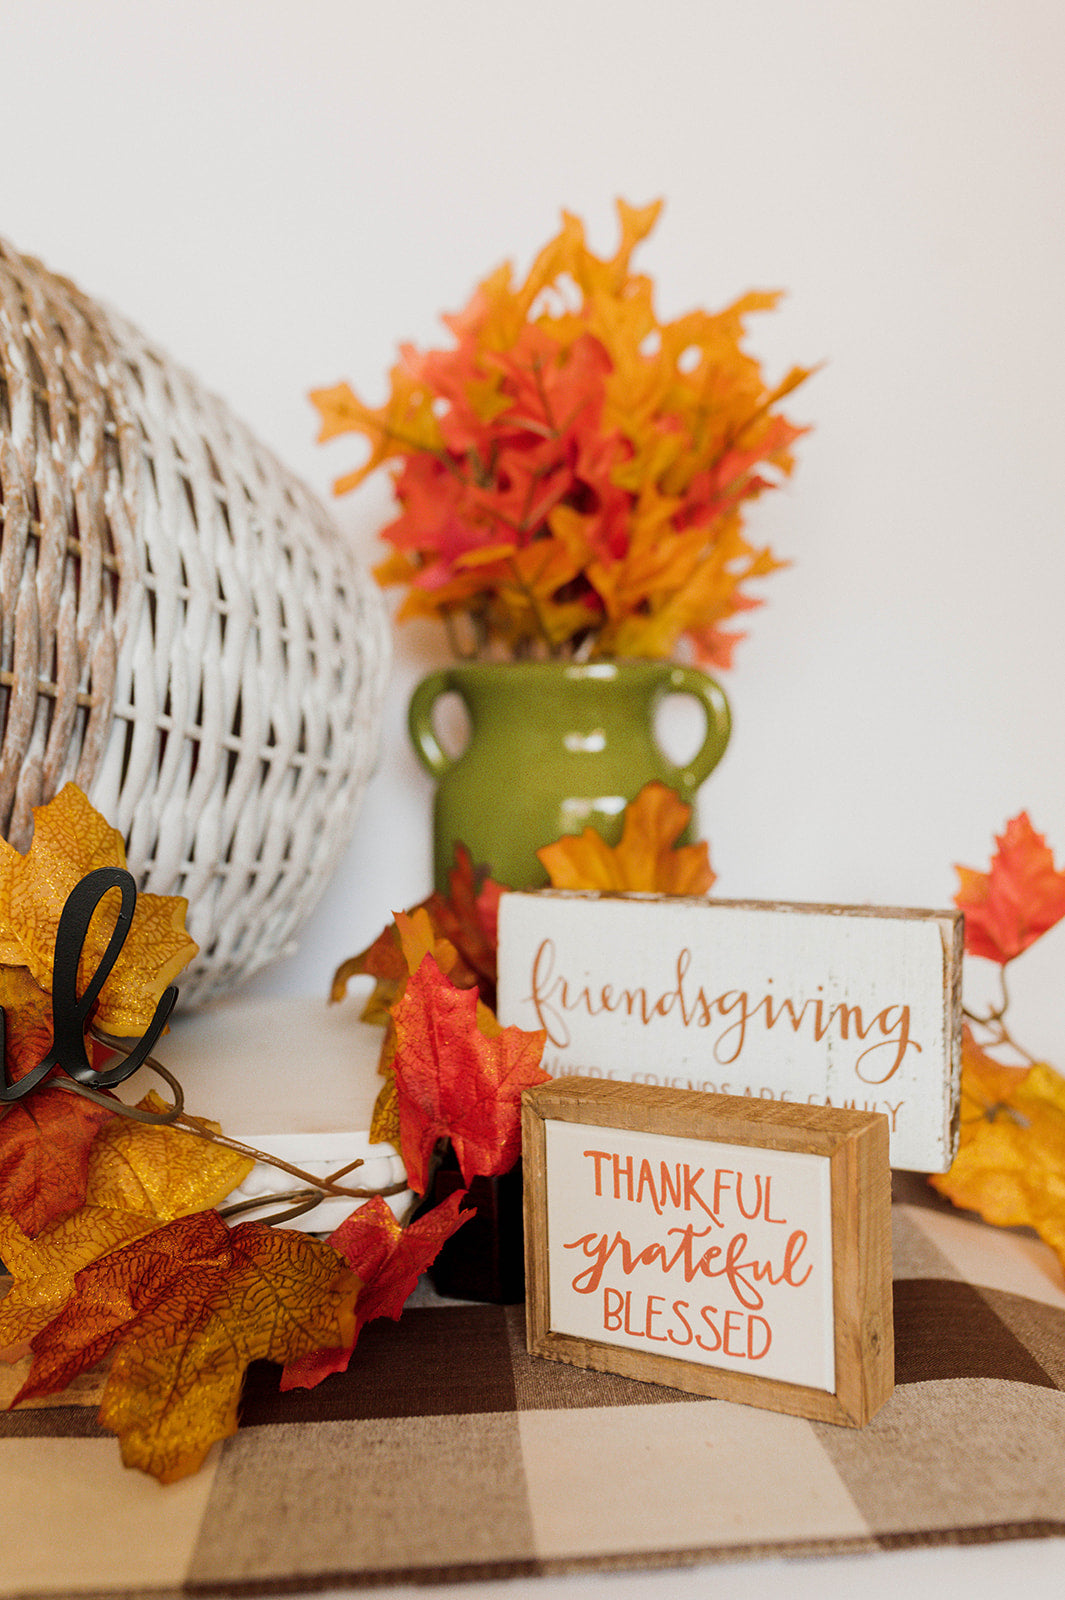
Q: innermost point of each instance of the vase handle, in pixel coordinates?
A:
(711, 696)
(427, 747)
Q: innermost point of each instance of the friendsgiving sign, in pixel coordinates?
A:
(838, 1006)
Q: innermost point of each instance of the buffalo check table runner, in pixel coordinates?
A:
(448, 1453)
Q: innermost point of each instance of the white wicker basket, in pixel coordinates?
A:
(183, 632)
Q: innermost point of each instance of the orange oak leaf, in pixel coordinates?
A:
(389, 1260)
(464, 920)
(647, 858)
(418, 938)
(46, 1138)
(1009, 907)
(185, 1309)
(454, 1082)
(384, 961)
(1010, 1165)
(70, 839)
(139, 1175)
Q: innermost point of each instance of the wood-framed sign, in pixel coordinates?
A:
(729, 1247)
(850, 1006)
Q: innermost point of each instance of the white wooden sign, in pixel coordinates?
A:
(732, 1247)
(816, 1005)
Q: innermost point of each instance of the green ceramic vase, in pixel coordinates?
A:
(553, 747)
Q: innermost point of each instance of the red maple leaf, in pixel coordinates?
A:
(44, 1156)
(1023, 895)
(454, 1082)
(389, 1260)
(469, 918)
(46, 1137)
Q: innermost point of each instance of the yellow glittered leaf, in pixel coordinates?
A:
(1010, 1166)
(161, 1171)
(71, 839)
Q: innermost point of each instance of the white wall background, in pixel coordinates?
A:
(279, 192)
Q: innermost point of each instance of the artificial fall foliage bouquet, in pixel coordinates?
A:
(572, 472)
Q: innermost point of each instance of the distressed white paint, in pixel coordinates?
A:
(816, 1005)
(737, 1245)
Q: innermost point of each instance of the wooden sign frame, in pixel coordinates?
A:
(858, 1243)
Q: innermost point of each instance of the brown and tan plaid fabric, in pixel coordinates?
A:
(448, 1453)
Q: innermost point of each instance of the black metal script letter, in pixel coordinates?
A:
(69, 1010)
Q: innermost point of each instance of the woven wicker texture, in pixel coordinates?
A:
(183, 632)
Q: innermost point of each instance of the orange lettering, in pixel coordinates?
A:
(904, 1042)
(743, 1275)
(646, 1181)
(542, 990)
(792, 1255)
(552, 995)
(706, 1312)
(750, 1215)
(732, 1319)
(613, 1300)
(679, 1308)
(654, 1304)
(598, 1156)
(752, 1355)
(671, 1186)
(768, 1203)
